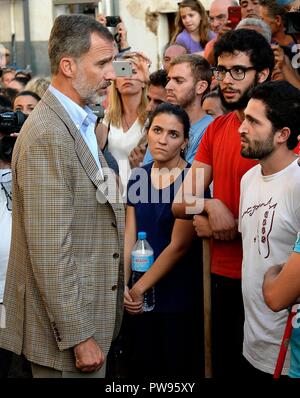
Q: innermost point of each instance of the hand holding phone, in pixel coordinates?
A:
(234, 16)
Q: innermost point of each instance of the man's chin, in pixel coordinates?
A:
(234, 105)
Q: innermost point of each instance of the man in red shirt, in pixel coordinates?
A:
(245, 59)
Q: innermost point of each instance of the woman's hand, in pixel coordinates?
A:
(279, 56)
(101, 18)
(141, 63)
(122, 35)
(133, 301)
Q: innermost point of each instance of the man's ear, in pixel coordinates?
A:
(68, 66)
(263, 75)
(283, 135)
(201, 87)
(278, 20)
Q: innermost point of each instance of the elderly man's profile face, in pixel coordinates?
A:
(95, 70)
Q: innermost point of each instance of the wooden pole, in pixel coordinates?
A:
(207, 308)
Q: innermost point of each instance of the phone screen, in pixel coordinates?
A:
(234, 16)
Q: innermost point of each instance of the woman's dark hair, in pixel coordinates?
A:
(250, 42)
(7, 144)
(174, 110)
(5, 103)
(215, 94)
(21, 79)
(24, 73)
(28, 93)
(282, 102)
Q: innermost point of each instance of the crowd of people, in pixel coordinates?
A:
(204, 148)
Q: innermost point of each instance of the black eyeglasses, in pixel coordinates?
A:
(237, 72)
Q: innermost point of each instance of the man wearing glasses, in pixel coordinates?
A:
(244, 59)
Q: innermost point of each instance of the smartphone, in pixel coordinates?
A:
(234, 16)
(122, 68)
(112, 21)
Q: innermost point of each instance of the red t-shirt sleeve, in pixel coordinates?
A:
(297, 149)
(204, 152)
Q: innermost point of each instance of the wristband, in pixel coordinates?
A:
(125, 49)
(297, 244)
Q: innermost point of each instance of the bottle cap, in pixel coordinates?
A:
(142, 235)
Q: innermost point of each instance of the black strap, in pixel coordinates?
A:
(106, 142)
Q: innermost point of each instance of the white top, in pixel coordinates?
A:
(269, 222)
(5, 225)
(120, 145)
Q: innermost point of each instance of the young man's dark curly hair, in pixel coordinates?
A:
(249, 42)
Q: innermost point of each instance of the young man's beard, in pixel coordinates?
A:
(259, 150)
(187, 100)
(242, 102)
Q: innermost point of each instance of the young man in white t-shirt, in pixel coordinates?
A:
(269, 213)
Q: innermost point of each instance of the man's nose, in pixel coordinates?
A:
(242, 129)
(150, 106)
(169, 85)
(215, 23)
(228, 78)
(163, 138)
(110, 73)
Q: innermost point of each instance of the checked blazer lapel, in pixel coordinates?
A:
(106, 184)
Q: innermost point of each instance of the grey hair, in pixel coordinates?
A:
(71, 36)
(38, 85)
(266, 30)
(233, 3)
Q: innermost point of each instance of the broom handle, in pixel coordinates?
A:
(207, 307)
(284, 345)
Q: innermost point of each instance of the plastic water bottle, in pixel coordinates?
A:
(141, 260)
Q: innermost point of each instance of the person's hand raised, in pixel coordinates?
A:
(141, 63)
(101, 18)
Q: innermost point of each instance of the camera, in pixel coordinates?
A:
(7, 144)
(292, 22)
(113, 21)
(11, 122)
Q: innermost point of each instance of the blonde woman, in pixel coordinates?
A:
(38, 85)
(125, 116)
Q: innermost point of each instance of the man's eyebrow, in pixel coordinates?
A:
(251, 118)
(104, 60)
(234, 66)
(177, 77)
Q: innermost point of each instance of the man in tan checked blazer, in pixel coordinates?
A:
(64, 287)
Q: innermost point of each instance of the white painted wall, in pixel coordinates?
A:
(141, 38)
(11, 20)
(139, 35)
(41, 19)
